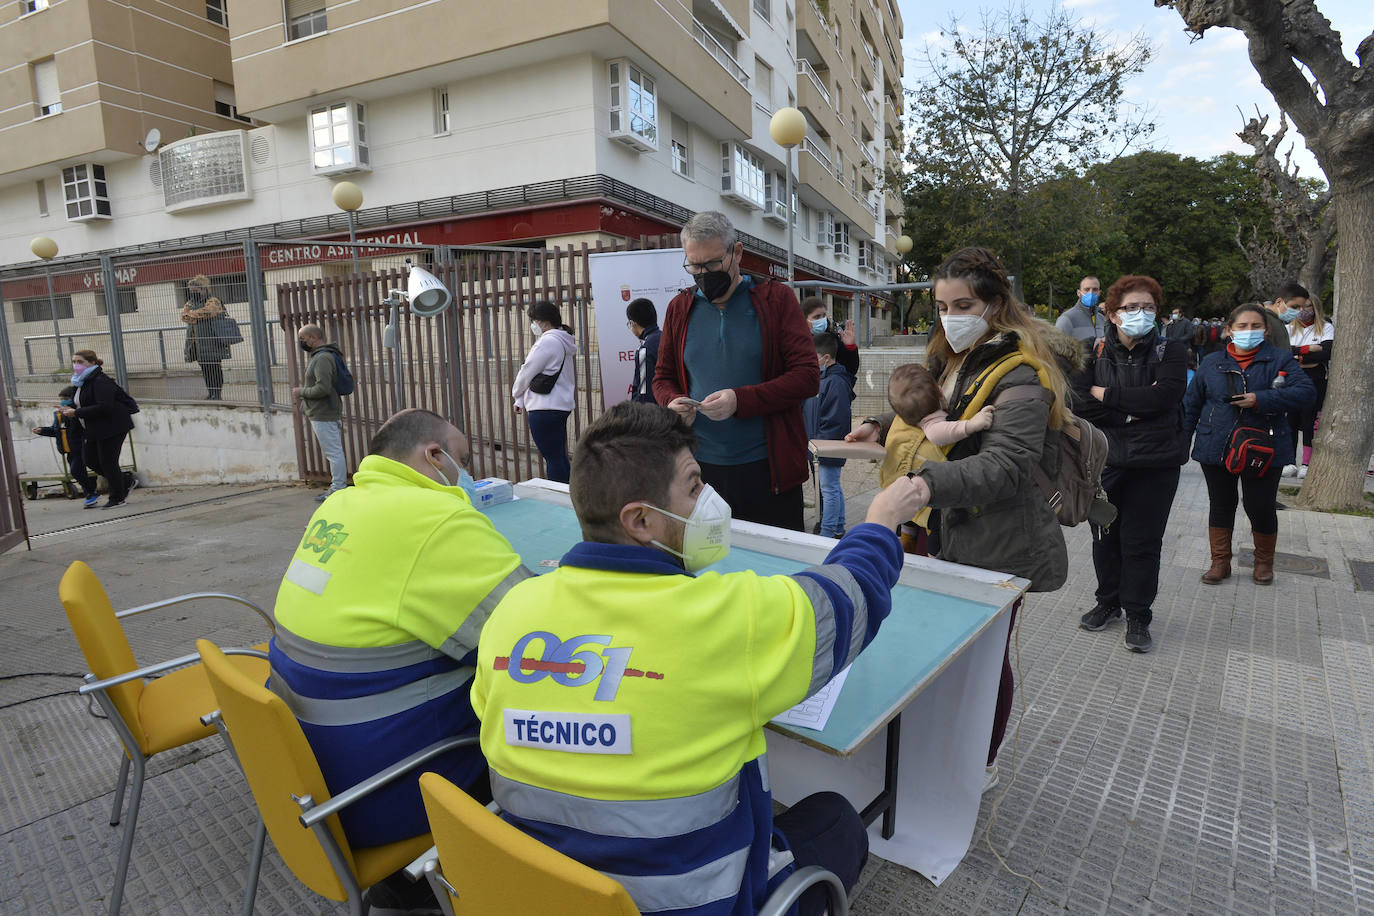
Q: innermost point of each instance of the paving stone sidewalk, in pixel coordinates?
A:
(1230, 770)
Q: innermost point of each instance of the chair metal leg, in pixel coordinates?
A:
(127, 846)
(255, 867)
(119, 789)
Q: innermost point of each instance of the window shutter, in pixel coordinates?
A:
(45, 81)
(298, 8)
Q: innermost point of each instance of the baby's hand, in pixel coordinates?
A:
(981, 420)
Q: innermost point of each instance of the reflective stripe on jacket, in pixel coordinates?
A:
(378, 617)
(623, 703)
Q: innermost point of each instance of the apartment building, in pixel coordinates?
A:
(521, 122)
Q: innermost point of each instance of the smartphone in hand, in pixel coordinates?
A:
(1235, 397)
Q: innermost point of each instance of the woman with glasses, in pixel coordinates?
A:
(1134, 384)
(1253, 384)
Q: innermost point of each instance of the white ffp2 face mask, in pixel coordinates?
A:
(963, 331)
(706, 538)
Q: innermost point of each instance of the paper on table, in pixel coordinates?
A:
(814, 711)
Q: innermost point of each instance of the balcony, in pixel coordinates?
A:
(804, 68)
(717, 50)
(815, 149)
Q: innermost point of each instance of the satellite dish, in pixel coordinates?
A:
(153, 140)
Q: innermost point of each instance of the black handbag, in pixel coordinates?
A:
(543, 382)
(225, 329)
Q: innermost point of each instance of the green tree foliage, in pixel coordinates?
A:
(1005, 110)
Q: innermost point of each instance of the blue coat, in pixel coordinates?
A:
(1207, 412)
(827, 414)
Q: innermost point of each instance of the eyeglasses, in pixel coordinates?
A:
(708, 266)
(1136, 309)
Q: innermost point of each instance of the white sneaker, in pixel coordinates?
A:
(989, 778)
(1289, 470)
(1302, 472)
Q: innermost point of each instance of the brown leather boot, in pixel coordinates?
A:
(1219, 539)
(1264, 557)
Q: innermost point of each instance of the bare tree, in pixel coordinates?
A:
(1289, 43)
(1304, 223)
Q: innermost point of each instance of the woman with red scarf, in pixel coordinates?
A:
(1251, 384)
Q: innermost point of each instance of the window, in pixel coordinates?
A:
(682, 157)
(338, 138)
(790, 33)
(224, 103)
(45, 87)
(741, 175)
(841, 240)
(226, 288)
(204, 169)
(764, 8)
(85, 192)
(854, 123)
(42, 197)
(825, 228)
(128, 301)
(775, 208)
(803, 216)
(442, 122)
(763, 79)
(32, 6)
(634, 106)
(305, 18)
(865, 250)
(217, 11)
(41, 310)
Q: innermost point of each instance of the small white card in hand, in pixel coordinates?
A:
(814, 711)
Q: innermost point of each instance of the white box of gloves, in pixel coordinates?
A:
(492, 491)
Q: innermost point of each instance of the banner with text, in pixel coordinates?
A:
(618, 277)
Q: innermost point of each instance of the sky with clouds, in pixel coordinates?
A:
(1193, 87)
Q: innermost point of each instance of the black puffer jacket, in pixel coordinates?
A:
(1141, 412)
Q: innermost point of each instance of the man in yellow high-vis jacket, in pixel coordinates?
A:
(623, 699)
(378, 618)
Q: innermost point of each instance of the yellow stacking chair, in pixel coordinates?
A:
(484, 864)
(147, 716)
(290, 791)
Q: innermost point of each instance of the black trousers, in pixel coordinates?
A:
(76, 463)
(102, 456)
(1258, 494)
(1305, 421)
(214, 379)
(748, 488)
(825, 830)
(1126, 555)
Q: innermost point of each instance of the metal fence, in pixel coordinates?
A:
(460, 364)
(14, 529)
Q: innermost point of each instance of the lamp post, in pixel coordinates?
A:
(788, 128)
(46, 249)
(349, 197)
(903, 246)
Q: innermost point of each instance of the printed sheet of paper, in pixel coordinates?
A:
(815, 711)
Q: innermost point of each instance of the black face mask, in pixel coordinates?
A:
(304, 346)
(714, 283)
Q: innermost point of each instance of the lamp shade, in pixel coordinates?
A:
(428, 295)
(903, 244)
(788, 127)
(347, 196)
(43, 247)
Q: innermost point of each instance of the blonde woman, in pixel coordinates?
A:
(1310, 336)
(203, 344)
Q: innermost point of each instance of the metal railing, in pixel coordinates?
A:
(821, 156)
(245, 328)
(717, 50)
(804, 68)
(822, 16)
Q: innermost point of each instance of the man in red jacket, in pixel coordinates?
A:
(737, 360)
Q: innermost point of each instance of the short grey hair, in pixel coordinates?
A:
(710, 224)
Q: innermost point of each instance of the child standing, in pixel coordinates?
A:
(70, 439)
(827, 417)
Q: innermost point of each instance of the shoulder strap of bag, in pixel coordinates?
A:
(1038, 393)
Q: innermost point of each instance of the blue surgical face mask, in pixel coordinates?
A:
(457, 479)
(1288, 314)
(1089, 300)
(1137, 324)
(66, 402)
(820, 325)
(469, 485)
(1247, 340)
